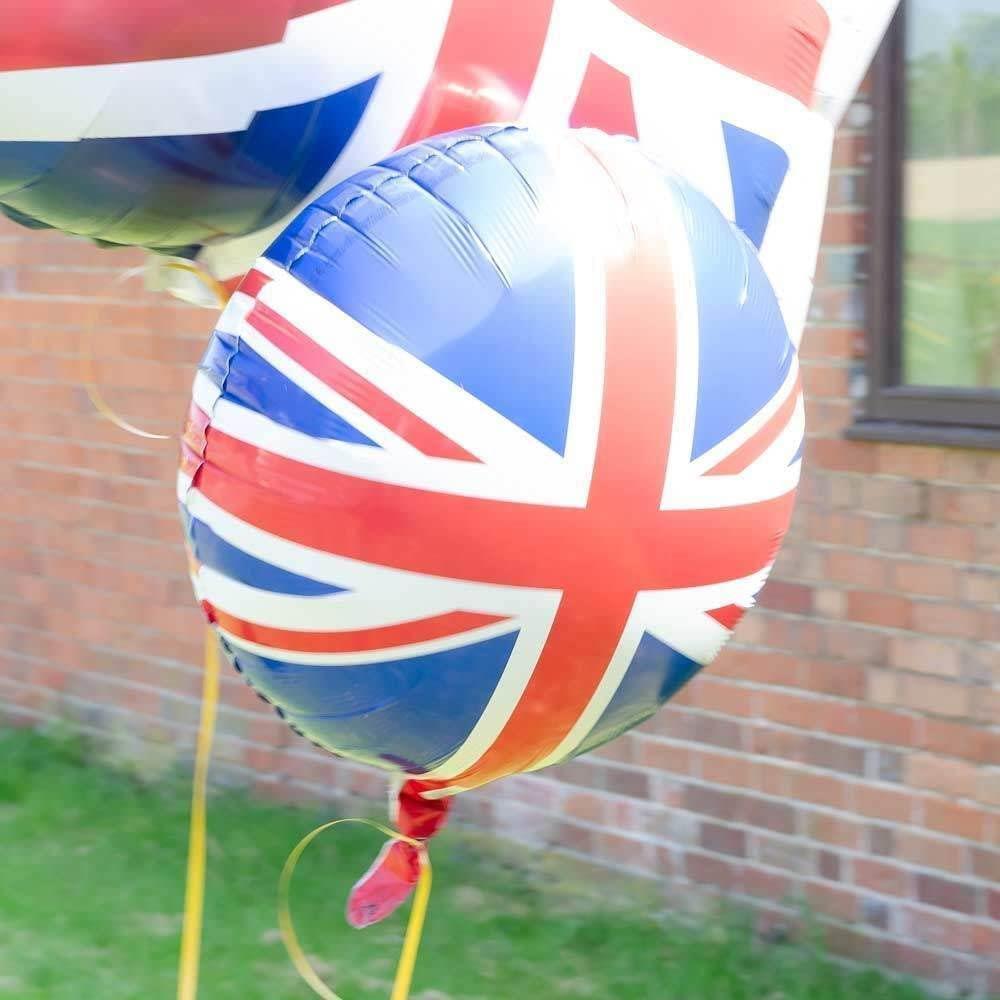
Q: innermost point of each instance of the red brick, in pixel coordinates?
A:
(838, 455)
(785, 744)
(790, 709)
(986, 707)
(820, 380)
(954, 778)
(830, 866)
(852, 944)
(836, 902)
(789, 597)
(713, 695)
(856, 568)
(924, 655)
(713, 802)
(947, 894)
(780, 852)
(936, 697)
(845, 680)
(793, 634)
(986, 865)
(973, 467)
(575, 838)
(718, 732)
(726, 769)
(591, 808)
(942, 541)
(634, 784)
(936, 929)
(881, 877)
(829, 342)
(621, 750)
(856, 644)
(723, 839)
(879, 802)
(828, 828)
(888, 535)
(845, 227)
(712, 870)
(954, 819)
(664, 756)
(966, 741)
(986, 940)
(988, 787)
(760, 666)
(820, 789)
(851, 149)
(932, 579)
(898, 497)
(764, 883)
(964, 506)
(884, 687)
(830, 603)
(916, 961)
(769, 815)
(834, 755)
(922, 463)
(875, 608)
(625, 852)
(979, 586)
(939, 618)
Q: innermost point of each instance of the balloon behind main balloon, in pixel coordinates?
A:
(140, 124)
(490, 452)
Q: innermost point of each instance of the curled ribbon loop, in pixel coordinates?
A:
(414, 928)
(218, 294)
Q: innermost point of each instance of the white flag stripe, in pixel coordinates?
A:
(562, 65)
(751, 487)
(374, 657)
(347, 611)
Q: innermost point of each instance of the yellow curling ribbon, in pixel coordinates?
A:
(90, 384)
(414, 928)
(194, 895)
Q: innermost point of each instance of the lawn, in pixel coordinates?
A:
(91, 885)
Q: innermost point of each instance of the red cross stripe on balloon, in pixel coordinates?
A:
(509, 39)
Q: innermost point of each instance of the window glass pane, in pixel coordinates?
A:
(951, 207)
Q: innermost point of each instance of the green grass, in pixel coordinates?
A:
(91, 871)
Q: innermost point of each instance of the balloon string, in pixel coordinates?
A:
(194, 895)
(414, 928)
(90, 379)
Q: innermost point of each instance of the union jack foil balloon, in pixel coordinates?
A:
(196, 128)
(490, 452)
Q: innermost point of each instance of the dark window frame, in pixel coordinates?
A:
(893, 411)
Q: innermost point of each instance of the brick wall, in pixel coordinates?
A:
(844, 751)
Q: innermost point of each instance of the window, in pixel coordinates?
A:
(935, 263)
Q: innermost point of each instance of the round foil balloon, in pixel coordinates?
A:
(490, 452)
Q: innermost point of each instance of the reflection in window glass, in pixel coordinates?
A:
(951, 177)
